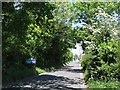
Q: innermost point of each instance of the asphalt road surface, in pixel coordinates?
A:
(69, 77)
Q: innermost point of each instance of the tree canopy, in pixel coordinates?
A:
(44, 31)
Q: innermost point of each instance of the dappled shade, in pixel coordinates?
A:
(45, 82)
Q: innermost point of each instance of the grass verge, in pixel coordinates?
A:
(14, 73)
(103, 84)
(39, 70)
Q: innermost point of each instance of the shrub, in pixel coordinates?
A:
(104, 64)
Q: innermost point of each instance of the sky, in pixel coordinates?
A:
(78, 49)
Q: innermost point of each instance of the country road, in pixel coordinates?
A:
(69, 77)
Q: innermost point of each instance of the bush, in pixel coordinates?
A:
(102, 63)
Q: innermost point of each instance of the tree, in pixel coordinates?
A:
(100, 46)
(40, 35)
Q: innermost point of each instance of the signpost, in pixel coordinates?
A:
(31, 61)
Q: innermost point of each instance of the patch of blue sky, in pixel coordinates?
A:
(78, 24)
(16, 5)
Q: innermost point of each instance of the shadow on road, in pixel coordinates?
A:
(75, 70)
(72, 69)
(45, 82)
(66, 78)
